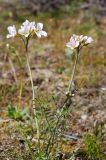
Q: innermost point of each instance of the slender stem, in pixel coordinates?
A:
(33, 91)
(73, 71)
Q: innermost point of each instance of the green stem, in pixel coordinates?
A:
(73, 72)
(33, 91)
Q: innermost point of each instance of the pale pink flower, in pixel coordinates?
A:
(78, 41)
(88, 40)
(72, 43)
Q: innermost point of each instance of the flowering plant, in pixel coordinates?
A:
(25, 32)
(76, 42)
(53, 121)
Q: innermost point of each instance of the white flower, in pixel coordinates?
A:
(28, 28)
(12, 31)
(39, 30)
(25, 29)
(78, 41)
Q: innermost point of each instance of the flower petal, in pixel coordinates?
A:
(26, 23)
(41, 33)
(76, 44)
(89, 40)
(39, 26)
(38, 34)
(12, 31)
(68, 44)
(9, 36)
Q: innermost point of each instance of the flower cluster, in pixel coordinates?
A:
(78, 41)
(27, 29)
